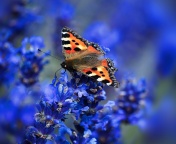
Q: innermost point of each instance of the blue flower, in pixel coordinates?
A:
(87, 93)
(33, 135)
(109, 135)
(90, 116)
(26, 114)
(8, 111)
(19, 17)
(62, 97)
(159, 127)
(14, 119)
(60, 9)
(166, 54)
(52, 109)
(46, 121)
(4, 34)
(85, 138)
(101, 33)
(66, 11)
(33, 60)
(105, 126)
(18, 95)
(9, 63)
(63, 130)
(81, 98)
(130, 100)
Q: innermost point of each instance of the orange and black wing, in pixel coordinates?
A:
(101, 74)
(74, 46)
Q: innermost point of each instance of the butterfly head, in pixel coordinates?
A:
(63, 65)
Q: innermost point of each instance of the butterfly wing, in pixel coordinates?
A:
(101, 74)
(82, 56)
(108, 64)
(74, 46)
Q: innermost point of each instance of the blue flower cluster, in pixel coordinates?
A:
(26, 60)
(76, 109)
(8, 62)
(166, 57)
(78, 101)
(20, 68)
(16, 18)
(130, 99)
(33, 60)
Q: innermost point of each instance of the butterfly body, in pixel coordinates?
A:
(86, 57)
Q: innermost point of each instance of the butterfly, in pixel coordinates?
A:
(86, 57)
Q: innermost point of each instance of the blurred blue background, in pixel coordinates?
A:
(141, 36)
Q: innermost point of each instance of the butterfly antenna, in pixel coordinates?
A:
(47, 53)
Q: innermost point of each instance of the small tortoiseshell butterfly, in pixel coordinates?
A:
(85, 57)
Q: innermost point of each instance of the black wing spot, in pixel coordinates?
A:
(65, 35)
(67, 48)
(95, 76)
(103, 75)
(105, 81)
(76, 43)
(89, 72)
(77, 49)
(65, 42)
(94, 68)
(73, 40)
(101, 72)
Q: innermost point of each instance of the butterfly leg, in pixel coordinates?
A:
(56, 72)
